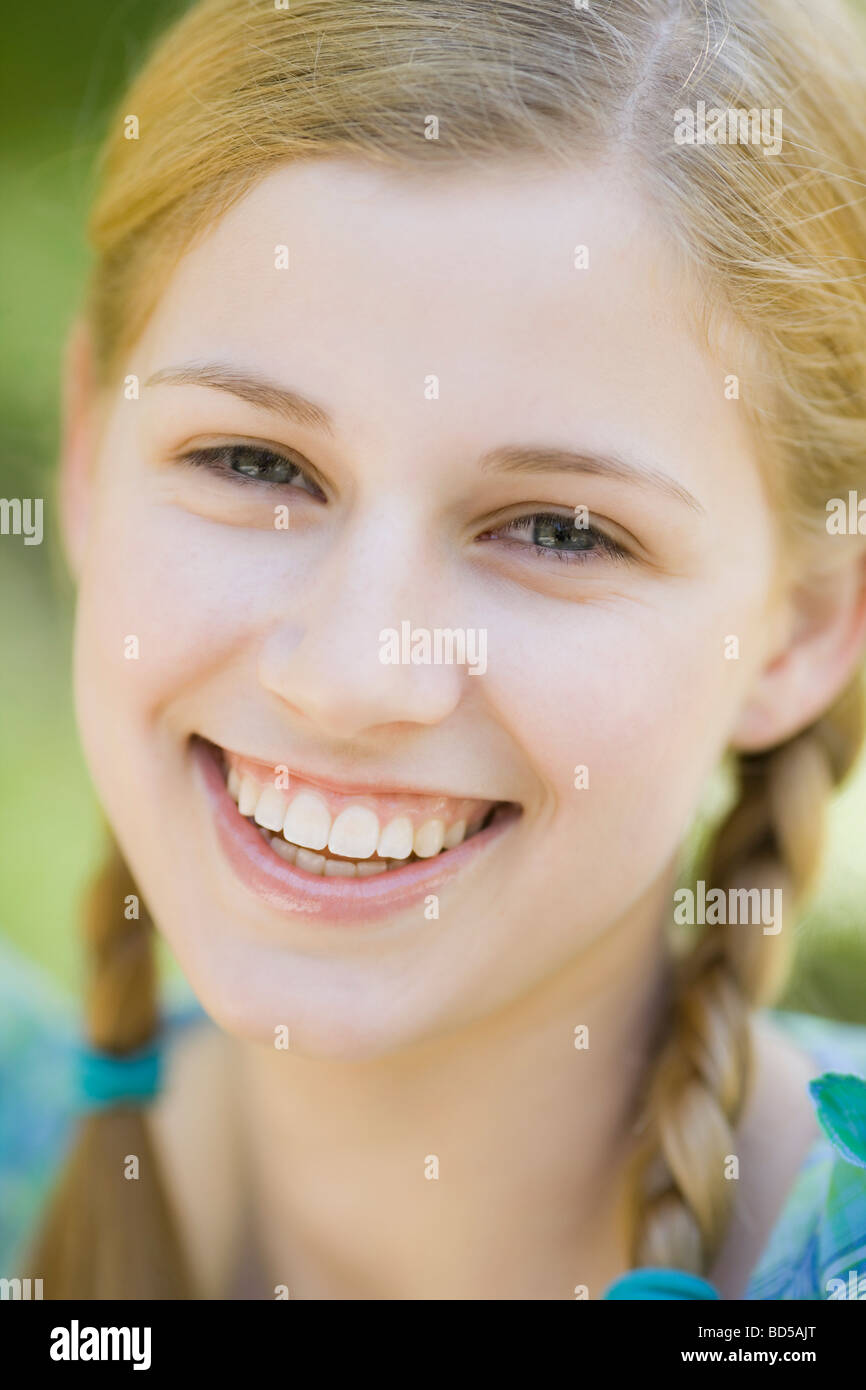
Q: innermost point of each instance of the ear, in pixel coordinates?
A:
(77, 443)
(817, 659)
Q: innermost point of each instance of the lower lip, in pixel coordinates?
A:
(290, 889)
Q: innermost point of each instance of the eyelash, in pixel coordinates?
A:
(603, 545)
(214, 458)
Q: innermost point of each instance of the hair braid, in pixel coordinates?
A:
(771, 838)
(103, 1235)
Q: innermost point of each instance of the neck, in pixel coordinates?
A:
(486, 1163)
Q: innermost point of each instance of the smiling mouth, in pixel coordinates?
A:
(329, 833)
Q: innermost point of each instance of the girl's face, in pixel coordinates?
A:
(369, 401)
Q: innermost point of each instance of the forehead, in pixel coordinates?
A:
(498, 247)
(536, 296)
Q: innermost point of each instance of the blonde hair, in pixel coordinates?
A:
(238, 87)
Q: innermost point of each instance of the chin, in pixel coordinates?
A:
(331, 1011)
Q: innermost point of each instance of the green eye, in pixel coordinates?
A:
(556, 532)
(555, 535)
(254, 464)
(257, 463)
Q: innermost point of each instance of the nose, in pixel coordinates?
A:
(329, 658)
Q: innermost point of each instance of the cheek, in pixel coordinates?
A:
(164, 599)
(634, 704)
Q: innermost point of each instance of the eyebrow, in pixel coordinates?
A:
(255, 389)
(543, 459)
(268, 395)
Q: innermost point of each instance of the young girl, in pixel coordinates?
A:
(462, 440)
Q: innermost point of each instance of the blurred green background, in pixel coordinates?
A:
(65, 65)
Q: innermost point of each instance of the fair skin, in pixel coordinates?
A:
(452, 1035)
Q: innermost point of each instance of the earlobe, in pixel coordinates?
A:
(819, 661)
(76, 443)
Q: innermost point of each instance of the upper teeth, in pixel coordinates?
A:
(307, 821)
(304, 819)
(355, 833)
(397, 838)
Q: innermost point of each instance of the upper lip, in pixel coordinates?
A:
(372, 787)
